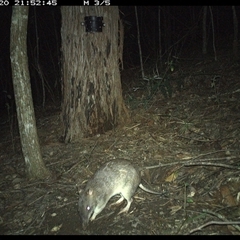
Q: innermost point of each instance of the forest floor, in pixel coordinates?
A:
(192, 133)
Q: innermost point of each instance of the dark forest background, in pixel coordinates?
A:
(181, 35)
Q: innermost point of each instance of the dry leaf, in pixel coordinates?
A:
(227, 196)
(175, 209)
(56, 228)
(171, 177)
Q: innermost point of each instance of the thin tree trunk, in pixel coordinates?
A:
(167, 28)
(159, 35)
(204, 49)
(22, 90)
(235, 33)
(139, 43)
(213, 34)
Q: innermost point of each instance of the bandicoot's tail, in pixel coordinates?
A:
(148, 190)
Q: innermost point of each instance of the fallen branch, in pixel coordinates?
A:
(213, 223)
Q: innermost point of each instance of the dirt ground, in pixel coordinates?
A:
(193, 136)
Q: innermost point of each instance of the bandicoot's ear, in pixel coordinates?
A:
(79, 189)
(89, 192)
(79, 186)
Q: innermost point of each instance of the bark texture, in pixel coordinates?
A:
(23, 97)
(92, 94)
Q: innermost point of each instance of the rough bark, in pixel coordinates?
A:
(92, 95)
(23, 97)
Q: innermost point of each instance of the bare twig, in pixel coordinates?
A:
(200, 162)
(220, 216)
(128, 128)
(213, 223)
(217, 159)
(210, 164)
(210, 153)
(190, 163)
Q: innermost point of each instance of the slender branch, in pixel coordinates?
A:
(213, 223)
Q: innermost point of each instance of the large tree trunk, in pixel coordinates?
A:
(92, 95)
(23, 96)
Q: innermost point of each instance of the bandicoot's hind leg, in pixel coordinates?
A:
(120, 200)
(129, 201)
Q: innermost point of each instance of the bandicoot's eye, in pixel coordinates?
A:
(90, 212)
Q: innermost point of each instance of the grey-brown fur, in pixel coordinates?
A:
(114, 177)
